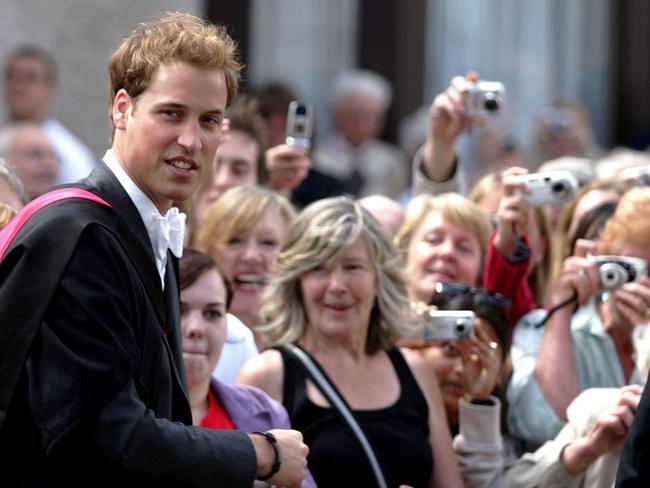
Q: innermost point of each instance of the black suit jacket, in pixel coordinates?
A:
(634, 468)
(101, 395)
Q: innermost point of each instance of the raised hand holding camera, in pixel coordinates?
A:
(483, 97)
(548, 188)
(615, 271)
(513, 215)
(482, 365)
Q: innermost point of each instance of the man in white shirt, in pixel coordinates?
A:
(93, 291)
(29, 91)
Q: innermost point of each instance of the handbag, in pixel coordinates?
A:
(340, 406)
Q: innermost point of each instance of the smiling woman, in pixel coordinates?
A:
(243, 231)
(338, 292)
(443, 238)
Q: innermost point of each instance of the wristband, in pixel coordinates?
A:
(521, 252)
(276, 450)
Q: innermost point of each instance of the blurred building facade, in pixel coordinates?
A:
(593, 51)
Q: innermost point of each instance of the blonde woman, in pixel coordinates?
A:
(339, 294)
(443, 239)
(242, 231)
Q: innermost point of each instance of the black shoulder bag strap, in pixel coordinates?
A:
(340, 406)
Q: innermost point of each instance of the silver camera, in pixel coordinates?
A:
(615, 271)
(300, 124)
(483, 97)
(448, 324)
(637, 175)
(549, 188)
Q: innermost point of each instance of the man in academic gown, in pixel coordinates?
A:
(92, 385)
(634, 467)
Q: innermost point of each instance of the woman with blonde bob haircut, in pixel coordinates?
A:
(242, 231)
(443, 238)
(338, 293)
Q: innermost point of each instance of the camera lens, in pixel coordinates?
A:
(463, 328)
(612, 276)
(558, 187)
(491, 102)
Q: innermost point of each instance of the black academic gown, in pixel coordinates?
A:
(100, 397)
(634, 468)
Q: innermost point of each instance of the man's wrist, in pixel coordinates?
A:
(266, 470)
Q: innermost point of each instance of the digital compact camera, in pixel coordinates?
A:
(483, 97)
(637, 175)
(549, 188)
(448, 324)
(615, 271)
(300, 124)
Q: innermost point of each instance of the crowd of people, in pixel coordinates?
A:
(211, 304)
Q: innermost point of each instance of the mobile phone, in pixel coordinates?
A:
(300, 124)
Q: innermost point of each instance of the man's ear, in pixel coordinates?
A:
(121, 109)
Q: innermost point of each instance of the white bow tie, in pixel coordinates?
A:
(167, 232)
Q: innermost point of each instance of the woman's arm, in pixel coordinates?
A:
(555, 370)
(265, 371)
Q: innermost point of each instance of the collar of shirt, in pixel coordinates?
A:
(164, 232)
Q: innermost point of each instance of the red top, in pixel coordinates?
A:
(217, 417)
(509, 279)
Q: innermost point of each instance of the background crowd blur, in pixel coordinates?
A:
(592, 52)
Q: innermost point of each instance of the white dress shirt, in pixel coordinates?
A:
(160, 240)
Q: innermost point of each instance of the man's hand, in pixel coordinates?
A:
(287, 167)
(293, 457)
(608, 434)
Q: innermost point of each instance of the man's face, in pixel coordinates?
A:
(359, 118)
(167, 137)
(235, 164)
(28, 89)
(34, 158)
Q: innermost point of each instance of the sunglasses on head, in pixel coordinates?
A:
(445, 291)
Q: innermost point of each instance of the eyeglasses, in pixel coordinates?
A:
(445, 291)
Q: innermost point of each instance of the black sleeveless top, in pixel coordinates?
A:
(399, 434)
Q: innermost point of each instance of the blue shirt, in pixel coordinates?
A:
(597, 363)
